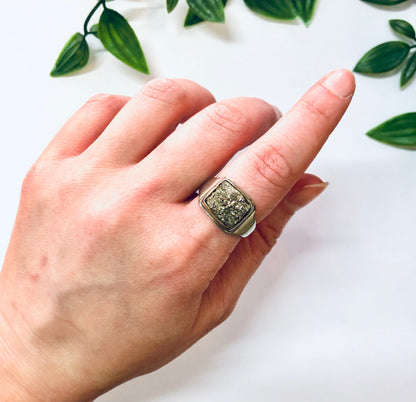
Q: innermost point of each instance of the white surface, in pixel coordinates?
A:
(331, 314)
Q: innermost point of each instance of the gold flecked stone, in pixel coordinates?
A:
(228, 204)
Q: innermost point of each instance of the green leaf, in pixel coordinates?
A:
(304, 9)
(73, 56)
(403, 28)
(119, 38)
(275, 9)
(94, 30)
(409, 70)
(382, 58)
(171, 4)
(385, 2)
(193, 19)
(208, 10)
(399, 131)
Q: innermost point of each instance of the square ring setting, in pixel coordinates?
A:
(228, 206)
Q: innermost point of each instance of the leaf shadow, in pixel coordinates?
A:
(222, 31)
(294, 22)
(387, 74)
(132, 14)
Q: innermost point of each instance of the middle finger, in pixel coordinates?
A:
(148, 118)
(199, 148)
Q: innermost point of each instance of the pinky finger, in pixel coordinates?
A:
(85, 126)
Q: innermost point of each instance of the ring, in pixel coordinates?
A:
(228, 206)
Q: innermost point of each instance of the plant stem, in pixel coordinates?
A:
(92, 12)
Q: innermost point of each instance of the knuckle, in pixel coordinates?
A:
(151, 187)
(70, 180)
(266, 238)
(223, 312)
(65, 188)
(227, 311)
(265, 107)
(226, 118)
(272, 165)
(100, 97)
(98, 221)
(30, 179)
(315, 110)
(36, 177)
(107, 101)
(93, 220)
(164, 90)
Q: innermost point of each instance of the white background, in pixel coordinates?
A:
(331, 314)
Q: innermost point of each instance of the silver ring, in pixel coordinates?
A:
(228, 206)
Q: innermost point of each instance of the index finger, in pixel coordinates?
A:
(269, 168)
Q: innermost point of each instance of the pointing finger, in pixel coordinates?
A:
(268, 169)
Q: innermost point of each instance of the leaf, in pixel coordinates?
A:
(304, 9)
(408, 71)
(382, 58)
(119, 38)
(192, 19)
(208, 10)
(385, 2)
(399, 131)
(403, 28)
(171, 4)
(94, 30)
(73, 56)
(275, 9)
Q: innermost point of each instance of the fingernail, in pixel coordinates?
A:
(341, 83)
(305, 195)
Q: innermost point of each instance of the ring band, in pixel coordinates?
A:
(228, 206)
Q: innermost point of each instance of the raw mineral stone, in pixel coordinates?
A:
(228, 204)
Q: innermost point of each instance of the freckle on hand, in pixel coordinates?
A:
(44, 261)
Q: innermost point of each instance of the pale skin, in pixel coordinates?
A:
(113, 269)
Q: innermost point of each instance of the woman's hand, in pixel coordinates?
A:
(113, 268)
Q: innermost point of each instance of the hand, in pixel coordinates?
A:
(113, 268)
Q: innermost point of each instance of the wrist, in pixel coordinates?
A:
(12, 388)
(30, 371)
(24, 376)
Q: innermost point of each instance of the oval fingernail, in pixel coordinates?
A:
(341, 83)
(305, 195)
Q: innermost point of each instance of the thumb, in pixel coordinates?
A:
(269, 229)
(224, 290)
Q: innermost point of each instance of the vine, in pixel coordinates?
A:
(119, 38)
